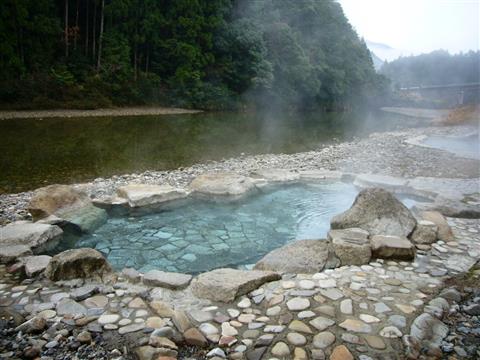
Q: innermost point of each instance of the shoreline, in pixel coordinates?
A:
(386, 153)
(65, 113)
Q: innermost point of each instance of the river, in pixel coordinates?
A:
(38, 152)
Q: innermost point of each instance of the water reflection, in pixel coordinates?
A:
(39, 152)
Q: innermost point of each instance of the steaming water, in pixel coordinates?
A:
(466, 146)
(204, 235)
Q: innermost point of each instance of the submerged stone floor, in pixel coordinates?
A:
(360, 312)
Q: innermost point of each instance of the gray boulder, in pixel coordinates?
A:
(424, 233)
(69, 204)
(222, 184)
(351, 246)
(77, 263)
(444, 230)
(35, 265)
(428, 331)
(10, 253)
(36, 237)
(226, 284)
(302, 256)
(392, 247)
(378, 212)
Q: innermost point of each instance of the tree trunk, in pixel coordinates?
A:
(135, 60)
(146, 62)
(94, 34)
(66, 28)
(87, 2)
(75, 35)
(100, 36)
(135, 46)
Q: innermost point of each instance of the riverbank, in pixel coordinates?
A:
(353, 309)
(387, 153)
(131, 111)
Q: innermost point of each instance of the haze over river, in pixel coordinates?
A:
(38, 152)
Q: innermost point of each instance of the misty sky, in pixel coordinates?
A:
(417, 26)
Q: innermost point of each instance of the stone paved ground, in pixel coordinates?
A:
(350, 312)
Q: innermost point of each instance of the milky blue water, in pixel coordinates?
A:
(203, 235)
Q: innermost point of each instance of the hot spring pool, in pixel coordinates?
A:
(202, 235)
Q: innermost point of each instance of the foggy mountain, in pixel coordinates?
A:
(383, 51)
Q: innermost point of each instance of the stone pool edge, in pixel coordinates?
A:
(161, 287)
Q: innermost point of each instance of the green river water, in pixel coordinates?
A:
(38, 152)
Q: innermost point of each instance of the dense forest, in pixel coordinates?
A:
(435, 68)
(210, 54)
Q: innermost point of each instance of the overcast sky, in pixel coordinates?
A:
(417, 26)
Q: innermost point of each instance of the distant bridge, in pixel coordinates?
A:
(448, 86)
(453, 94)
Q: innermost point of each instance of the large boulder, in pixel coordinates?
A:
(19, 236)
(222, 184)
(139, 195)
(69, 204)
(392, 247)
(378, 212)
(445, 232)
(226, 284)
(302, 256)
(77, 263)
(351, 246)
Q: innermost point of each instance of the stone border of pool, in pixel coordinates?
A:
(225, 285)
(58, 206)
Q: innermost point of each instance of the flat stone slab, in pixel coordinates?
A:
(383, 181)
(37, 237)
(314, 175)
(70, 307)
(169, 280)
(452, 189)
(302, 256)
(276, 175)
(392, 247)
(226, 284)
(139, 195)
(222, 184)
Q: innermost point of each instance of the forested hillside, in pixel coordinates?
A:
(435, 68)
(211, 54)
